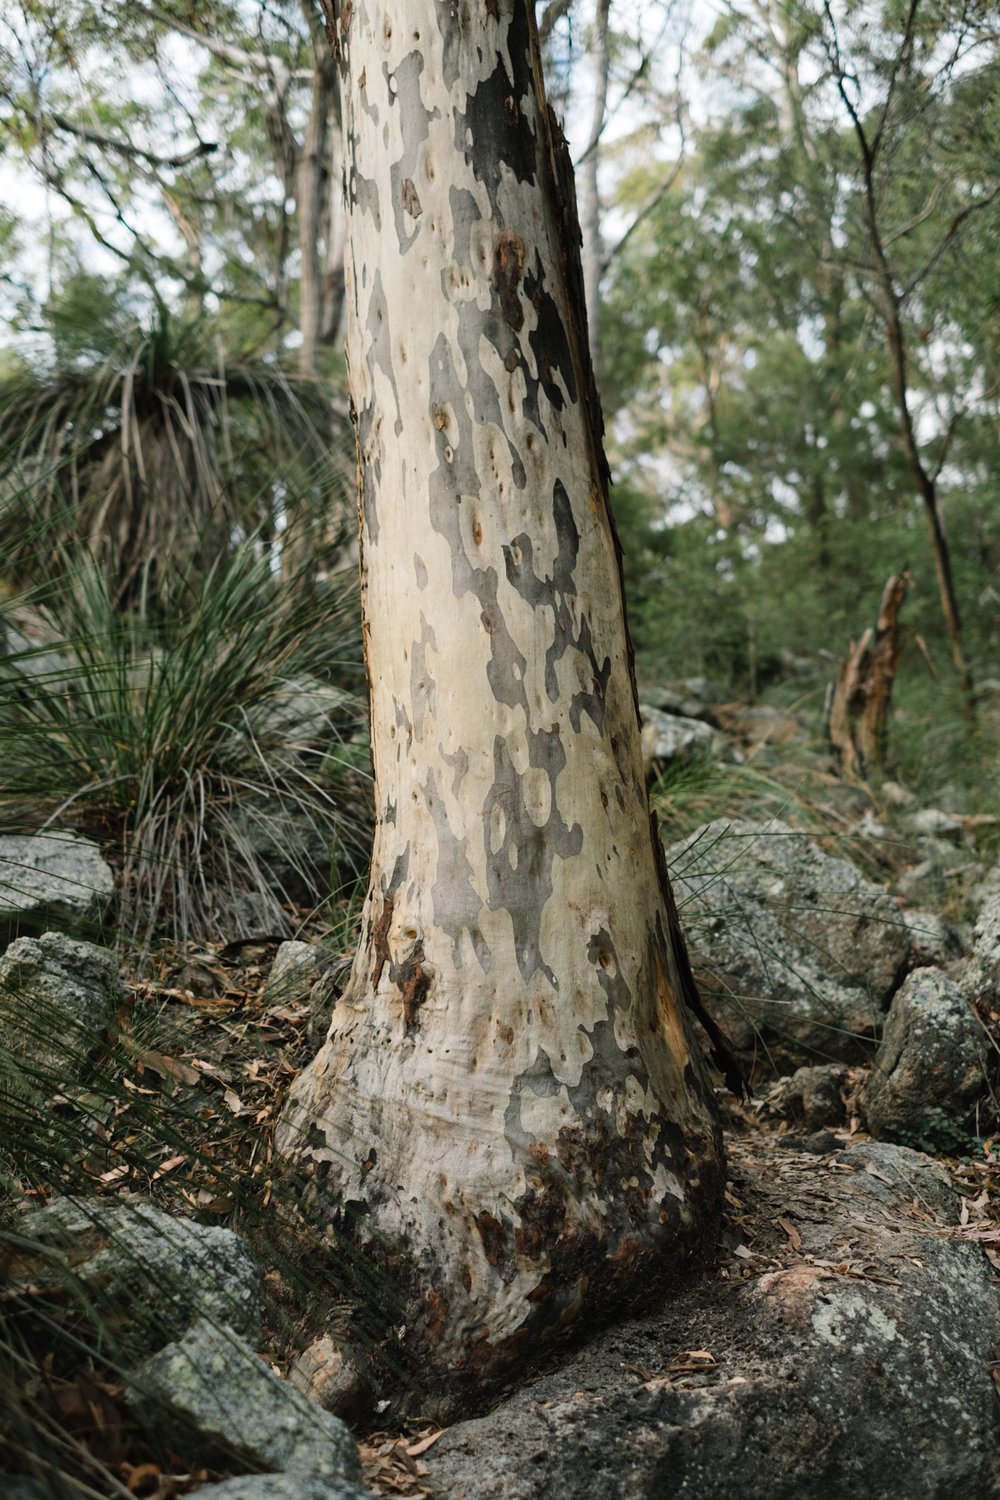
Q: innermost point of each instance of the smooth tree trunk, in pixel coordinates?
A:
(510, 1096)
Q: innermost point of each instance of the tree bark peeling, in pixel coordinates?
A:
(512, 1040)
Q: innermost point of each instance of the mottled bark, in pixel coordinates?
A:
(510, 1092)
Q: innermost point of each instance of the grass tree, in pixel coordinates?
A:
(510, 1095)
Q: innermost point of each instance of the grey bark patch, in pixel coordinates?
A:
(508, 266)
(423, 689)
(552, 593)
(456, 903)
(494, 132)
(519, 871)
(549, 341)
(415, 119)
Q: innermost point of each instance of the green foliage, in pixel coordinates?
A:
(747, 354)
(156, 455)
(180, 742)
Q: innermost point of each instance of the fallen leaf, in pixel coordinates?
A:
(791, 1231)
(422, 1444)
(167, 1166)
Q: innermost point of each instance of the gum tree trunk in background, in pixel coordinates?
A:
(510, 1091)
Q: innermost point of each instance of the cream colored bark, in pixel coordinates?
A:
(509, 1090)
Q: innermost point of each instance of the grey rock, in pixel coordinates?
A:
(981, 980)
(307, 714)
(291, 851)
(295, 969)
(872, 1383)
(155, 1272)
(933, 942)
(52, 879)
(327, 1374)
(789, 944)
(213, 1394)
(58, 995)
(930, 1067)
(931, 822)
(758, 724)
(812, 1095)
(705, 690)
(284, 1487)
(894, 795)
(923, 883)
(668, 737)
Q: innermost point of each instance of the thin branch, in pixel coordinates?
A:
(126, 148)
(948, 239)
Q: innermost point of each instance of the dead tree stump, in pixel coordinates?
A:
(857, 706)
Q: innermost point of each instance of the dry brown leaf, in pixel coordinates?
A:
(791, 1231)
(167, 1166)
(422, 1444)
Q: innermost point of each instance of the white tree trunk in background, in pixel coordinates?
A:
(510, 1092)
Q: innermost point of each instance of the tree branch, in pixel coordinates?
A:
(126, 148)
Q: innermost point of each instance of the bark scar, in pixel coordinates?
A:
(413, 981)
(508, 266)
(380, 941)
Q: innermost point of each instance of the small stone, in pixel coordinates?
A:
(669, 737)
(215, 1399)
(327, 1375)
(295, 970)
(894, 795)
(812, 1095)
(981, 980)
(931, 822)
(932, 941)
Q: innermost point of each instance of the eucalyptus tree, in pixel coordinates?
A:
(510, 1100)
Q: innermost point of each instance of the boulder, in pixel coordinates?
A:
(280, 1487)
(213, 1398)
(849, 1358)
(793, 948)
(758, 724)
(669, 737)
(981, 979)
(52, 880)
(933, 941)
(152, 1274)
(930, 1067)
(307, 714)
(58, 995)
